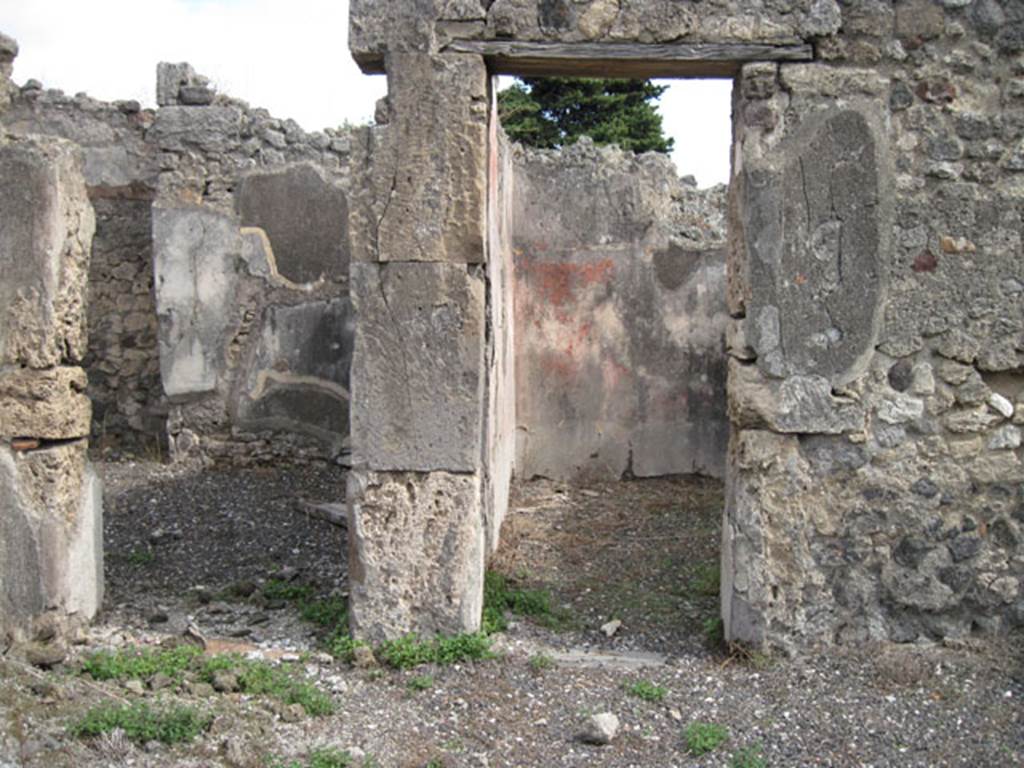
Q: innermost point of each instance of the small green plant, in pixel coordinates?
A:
(140, 557)
(342, 646)
(259, 678)
(330, 613)
(707, 579)
(329, 757)
(646, 690)
(140, 664)
(499, 597)
(749, 757)
(714, 633)
(702, 738)
(277, 589)
(421, 683)
(541, 661)
(409, 651)
(142, 723)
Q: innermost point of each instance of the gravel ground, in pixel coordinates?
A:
(185, 546)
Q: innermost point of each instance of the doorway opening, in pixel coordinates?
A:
(619, 305)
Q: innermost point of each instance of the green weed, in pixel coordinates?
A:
(421, 683)
(541, 661)
(707, 579)
(409, 651)
(714, 633)
(749, 757)
(276, 589)
(702, 738)
(258, 678)
(646, 690)
(140, 664)
(499, 597)
(140, 557)
(142, 724)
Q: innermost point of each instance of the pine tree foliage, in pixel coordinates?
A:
(554, 112)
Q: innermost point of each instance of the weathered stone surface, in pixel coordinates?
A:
(46, 229)
(305, 218)
(421, 193)
(51, 553)
(195, 256)
(299, 376)
(416, 554)
(816, 245)
(49, 405)
(798, 404)
(620, 325)
(379, 26)
(418, 366)
(208, 129)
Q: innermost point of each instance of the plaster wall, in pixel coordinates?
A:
(620, 317)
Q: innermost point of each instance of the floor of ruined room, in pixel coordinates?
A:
(197, 547)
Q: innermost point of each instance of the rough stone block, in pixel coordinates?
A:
(51, 547)
(798, 404)
(418, 366)
(304, 217)
(210, 129)
(49, 404)
(416, 554)
(196, 255)
(816, 242)
(46, 229)
(379, 26)
(427, 175)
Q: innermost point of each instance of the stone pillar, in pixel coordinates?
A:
(419, 368)
(810, 217)
(51, 556)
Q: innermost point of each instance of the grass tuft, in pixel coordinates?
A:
(141, 723)
(702, 738)
(140, 664)
(409, 651)
(646, 690)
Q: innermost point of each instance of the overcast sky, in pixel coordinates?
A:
(289, 56)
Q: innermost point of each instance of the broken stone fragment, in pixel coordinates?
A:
(600, 729)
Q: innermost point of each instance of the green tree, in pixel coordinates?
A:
(554, 112)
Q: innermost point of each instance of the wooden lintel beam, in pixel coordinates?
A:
(625, 60)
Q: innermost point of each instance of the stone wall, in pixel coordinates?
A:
(129, 410)
(874, 477)
(51, 555)
(250, 233)
(260, 370)
(620, 317)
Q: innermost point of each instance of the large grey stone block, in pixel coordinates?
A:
(418, 366)
(46, 229)
(416, 554)
(420, 184)
(51, 546)
(196, 255)
(816, 222)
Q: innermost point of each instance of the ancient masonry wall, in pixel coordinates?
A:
(620, 317)
(51, 552)
(875, 288)
(250, 233)
(129, 410)
(273, 339)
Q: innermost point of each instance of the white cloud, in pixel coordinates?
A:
(288, 56)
